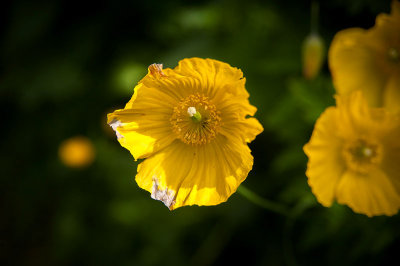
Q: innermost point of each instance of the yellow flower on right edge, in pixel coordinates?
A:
(369, 60)
(354, 157)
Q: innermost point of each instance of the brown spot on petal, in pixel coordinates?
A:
(114, 124)
(156, 70)
(167, 196)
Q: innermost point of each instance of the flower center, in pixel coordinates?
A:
(196, 120)
(394, 54)
(361, 155)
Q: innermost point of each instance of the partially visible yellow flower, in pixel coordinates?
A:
(354, 156)
(313, 55)
(191, 125)
(369, 60)
(76, 152)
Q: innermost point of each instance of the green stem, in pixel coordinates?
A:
(264, 203)
(314, 17)
(291, 216)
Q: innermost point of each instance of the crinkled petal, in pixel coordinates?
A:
(353, 113)
(141, 133)
(325, 163)
(357, 118)
(215, 77)
(181, 174)
(371, 194)
(234, 110)
(244, 128)
(143, 127)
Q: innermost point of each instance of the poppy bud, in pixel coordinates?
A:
(313, 55)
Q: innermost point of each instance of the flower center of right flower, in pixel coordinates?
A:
(362, 155)
(196, 120)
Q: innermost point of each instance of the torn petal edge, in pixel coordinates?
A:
(156, 70)
(114, 124)
(167, 196)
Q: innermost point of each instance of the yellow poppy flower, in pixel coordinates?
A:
(191, 125)
(354, 155)
(369, 60)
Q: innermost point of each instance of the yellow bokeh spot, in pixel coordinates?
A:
(76, 152)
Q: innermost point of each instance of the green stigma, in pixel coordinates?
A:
(197, 117)
(194, 114)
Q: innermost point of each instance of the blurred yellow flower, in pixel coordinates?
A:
(354, 155)
(190, 124)
(369, 60)
(313, 55)
(76, 152)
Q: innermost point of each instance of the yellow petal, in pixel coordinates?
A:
(391, 97)
(230, 102)
(353, 114)
(371, 194)
(395, 9)
(215, 76)
(244, 128)
(233, 111)
(325, 163)
(391, 154)
(354, 63)
(386, 37)
(181, 174)
(358, 119)
(141, 134)
(385, 32)
(143, 127)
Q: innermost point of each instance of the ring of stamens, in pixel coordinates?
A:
(361, 155)
(195, 120)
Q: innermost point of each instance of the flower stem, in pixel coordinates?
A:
(291, 215)
(264, 203)
(314, 17)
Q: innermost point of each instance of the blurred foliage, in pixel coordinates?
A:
(64, 66)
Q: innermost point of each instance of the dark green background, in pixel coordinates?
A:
(65, 65)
